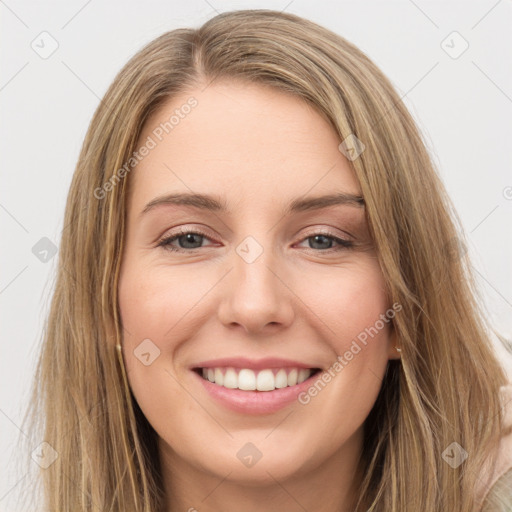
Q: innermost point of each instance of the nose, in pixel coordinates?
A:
(256, 295)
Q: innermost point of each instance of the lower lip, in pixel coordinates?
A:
(255, 402)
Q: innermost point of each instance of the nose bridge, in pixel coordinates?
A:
(252, 269)
(255, 295)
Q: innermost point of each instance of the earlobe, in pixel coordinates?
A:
(395, 350)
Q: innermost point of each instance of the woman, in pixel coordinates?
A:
(320, 348)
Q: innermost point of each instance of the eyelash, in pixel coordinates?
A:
(165, 242)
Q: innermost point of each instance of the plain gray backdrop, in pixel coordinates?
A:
(451, 62)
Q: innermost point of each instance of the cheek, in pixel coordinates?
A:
(156, 302)
(349, 302)
(151, 306)
(166, 306)
(149, 309)
(356, 320)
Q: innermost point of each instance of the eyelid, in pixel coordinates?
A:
(186, 228)
(182, 230)
(343, 243)
(328, 231)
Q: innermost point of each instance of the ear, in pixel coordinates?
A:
(393, 344)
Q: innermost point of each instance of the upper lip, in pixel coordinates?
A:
(253, 364)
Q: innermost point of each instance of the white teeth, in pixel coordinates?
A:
(230, 379)
(249, 380)
(219, 378)
(246, 380)
(265, 381)
(281, 379)
(292, 377)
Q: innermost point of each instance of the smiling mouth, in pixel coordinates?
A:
(260, 380)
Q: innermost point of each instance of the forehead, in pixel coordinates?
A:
(246, 142)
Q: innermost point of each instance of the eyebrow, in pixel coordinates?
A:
(216, 204)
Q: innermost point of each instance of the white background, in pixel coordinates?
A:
(463, 107)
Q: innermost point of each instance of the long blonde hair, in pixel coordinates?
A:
(444, 389)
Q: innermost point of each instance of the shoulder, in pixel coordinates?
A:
(499, 497)
(503, 468)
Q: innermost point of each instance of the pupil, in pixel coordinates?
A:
(189, 238)
(319, 238)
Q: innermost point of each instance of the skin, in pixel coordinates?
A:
(258, 149)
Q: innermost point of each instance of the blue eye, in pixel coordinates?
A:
(191, 241)
(323, 238)
(184, 237)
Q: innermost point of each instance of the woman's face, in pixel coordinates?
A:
(274, 284)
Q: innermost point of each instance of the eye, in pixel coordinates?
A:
(190, 241)
(324, 241)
